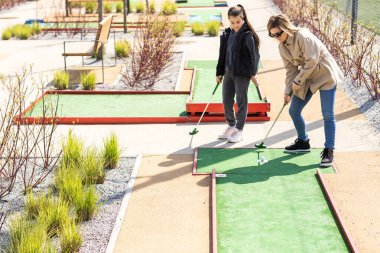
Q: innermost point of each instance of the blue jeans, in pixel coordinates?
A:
(327, 105)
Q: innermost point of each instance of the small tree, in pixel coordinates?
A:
(151, 52)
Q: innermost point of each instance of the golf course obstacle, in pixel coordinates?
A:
(202, 86)
(135, 107)
(275, 207)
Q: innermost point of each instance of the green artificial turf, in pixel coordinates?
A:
(205, 84)
(204, 16)
(275, 207)
(152, 105)
(192, 3)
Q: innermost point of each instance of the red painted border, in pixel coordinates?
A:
(190, 98)
(345, 232)
(195, 163)
(213, 210)
(124, 120)
(218, 107)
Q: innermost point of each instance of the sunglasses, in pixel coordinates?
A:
(277, 35)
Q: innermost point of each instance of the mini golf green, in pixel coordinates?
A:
(205, 83)
(275, 207)
(123, 105)
(204, 16)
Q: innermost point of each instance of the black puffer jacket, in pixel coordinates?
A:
(246, 58)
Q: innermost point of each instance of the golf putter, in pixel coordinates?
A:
(195, 130)
(262, 145)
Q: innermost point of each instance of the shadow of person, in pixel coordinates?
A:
(285, 165)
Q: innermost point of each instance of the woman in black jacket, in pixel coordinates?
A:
(237, 65)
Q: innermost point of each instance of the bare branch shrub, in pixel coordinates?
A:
(25, 150)
(151, 51)
(6, 4)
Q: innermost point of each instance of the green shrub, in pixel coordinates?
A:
(7, 34)
(22, 32)
(88, 81)
(213, 28)
(152, 7)
(197, 28)
(140, 7)
(68, 182)
(93, 170)
(70, 238)
(90, 7)
(85, 204)
(27, 236)
(107, 7)
(76, 5)
(119, 7)
(168, 8)
(53, 215)
(179, 28)
(72, 150)
(111, 152)
(61, 80)
(36, 29)
(123, 48)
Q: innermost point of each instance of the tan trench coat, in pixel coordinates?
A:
(308, 63)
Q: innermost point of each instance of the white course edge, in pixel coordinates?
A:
(124, 204)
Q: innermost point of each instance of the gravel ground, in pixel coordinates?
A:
(95, 232)
(369, 107)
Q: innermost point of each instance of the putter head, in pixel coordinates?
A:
(195, 131)
(261, 145)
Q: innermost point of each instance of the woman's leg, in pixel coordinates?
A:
(327, 105)
(295, 111)
(228, 94)
(241, 87)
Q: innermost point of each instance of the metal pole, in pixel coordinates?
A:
(129, 6)
(354, 21)
(125, 3)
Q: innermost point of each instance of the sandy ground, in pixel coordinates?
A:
(356, 191)
(168, 210)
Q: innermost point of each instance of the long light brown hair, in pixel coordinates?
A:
(282, 22)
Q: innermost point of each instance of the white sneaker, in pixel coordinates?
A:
(228, 132)
(236, 137)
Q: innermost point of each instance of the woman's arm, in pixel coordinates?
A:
(291, 73)
(310, 50)
(254, 52)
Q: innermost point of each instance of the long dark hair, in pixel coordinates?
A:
(239, 10)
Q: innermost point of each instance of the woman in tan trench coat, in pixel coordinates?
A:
(309, 67)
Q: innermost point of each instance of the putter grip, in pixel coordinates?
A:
(216, 87)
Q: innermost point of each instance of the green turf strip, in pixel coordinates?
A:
(155, 105)
(192, 3)
(204, 16)
(276, 207)
(205, 84)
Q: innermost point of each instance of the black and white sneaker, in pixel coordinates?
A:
(327, 156)
(299, 146)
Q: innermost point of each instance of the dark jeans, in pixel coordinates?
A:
(327, 104)
(235, 85)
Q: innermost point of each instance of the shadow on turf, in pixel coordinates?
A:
(258, 173)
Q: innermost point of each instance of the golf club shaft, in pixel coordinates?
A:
(204, 111)
(274, 122)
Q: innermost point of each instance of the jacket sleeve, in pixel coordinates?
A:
(311, 52)
(254, 53)
(291, 73)
(221, 59)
